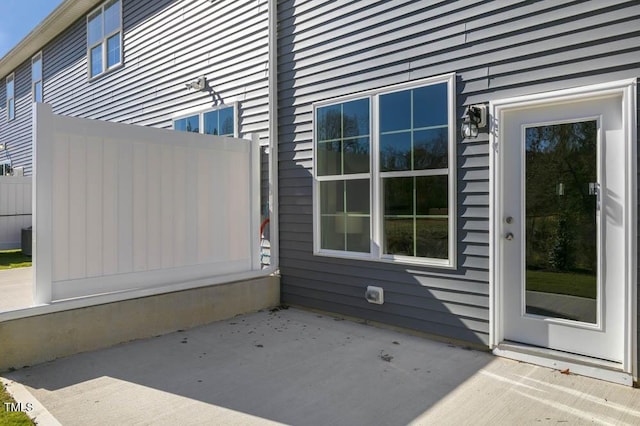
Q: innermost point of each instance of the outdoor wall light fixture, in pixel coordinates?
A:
(200, 84)
(474, 118)
(2, 147)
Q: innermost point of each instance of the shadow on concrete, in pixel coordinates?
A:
(287, 366)
(299, 367)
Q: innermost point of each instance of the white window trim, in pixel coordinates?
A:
(10, 77)
(103, 41)
(374, 176)
(201, 112)
(37, 57)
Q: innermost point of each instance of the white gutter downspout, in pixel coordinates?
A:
(273, 137)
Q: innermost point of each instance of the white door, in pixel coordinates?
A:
(562, 224)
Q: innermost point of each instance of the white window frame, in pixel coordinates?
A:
(317, 217)
(376, 195)
(103, 41)
(34, 59)
(201, 112)
(12, 97)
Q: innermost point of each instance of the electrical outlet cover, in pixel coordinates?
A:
(374, 295)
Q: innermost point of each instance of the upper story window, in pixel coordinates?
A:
(385, 175)
(219, 122)
(11, 98)
(104, 37)
(36, 77)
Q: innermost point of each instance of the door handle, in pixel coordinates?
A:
(509, 236)
(594, 189)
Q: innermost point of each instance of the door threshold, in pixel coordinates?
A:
(577, 364)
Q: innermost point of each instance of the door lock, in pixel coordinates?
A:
(509, 219)
(509, 236)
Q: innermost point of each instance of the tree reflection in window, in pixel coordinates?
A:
(414, 138)
(343, 161)
(561, 228)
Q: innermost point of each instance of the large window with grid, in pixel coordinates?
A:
(104, 38)
(343, 174)
(384, 176)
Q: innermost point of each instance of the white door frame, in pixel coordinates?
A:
(626, 88)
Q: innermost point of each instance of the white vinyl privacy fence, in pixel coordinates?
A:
(15, 209)
(121, 207)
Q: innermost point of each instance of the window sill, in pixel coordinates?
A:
(448, 264)
(106, 72)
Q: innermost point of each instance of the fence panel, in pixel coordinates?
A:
(15, 209)
(122, 207)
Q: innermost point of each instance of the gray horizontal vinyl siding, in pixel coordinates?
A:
(497, 49)
(16, 134)
(166, 44)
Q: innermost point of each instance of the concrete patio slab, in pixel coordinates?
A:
(298, 367)
(16, 288)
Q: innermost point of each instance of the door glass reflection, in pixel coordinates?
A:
(561, 229)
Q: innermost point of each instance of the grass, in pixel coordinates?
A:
(17, 418)
(10, 259)
(569, 283)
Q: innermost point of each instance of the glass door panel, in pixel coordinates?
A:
(561, 231)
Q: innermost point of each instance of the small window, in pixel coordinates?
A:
(385, 175)
(220, 122)
(188, 124)
(5, 168)
(36, 77)
(104, 38)
(11, 99)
